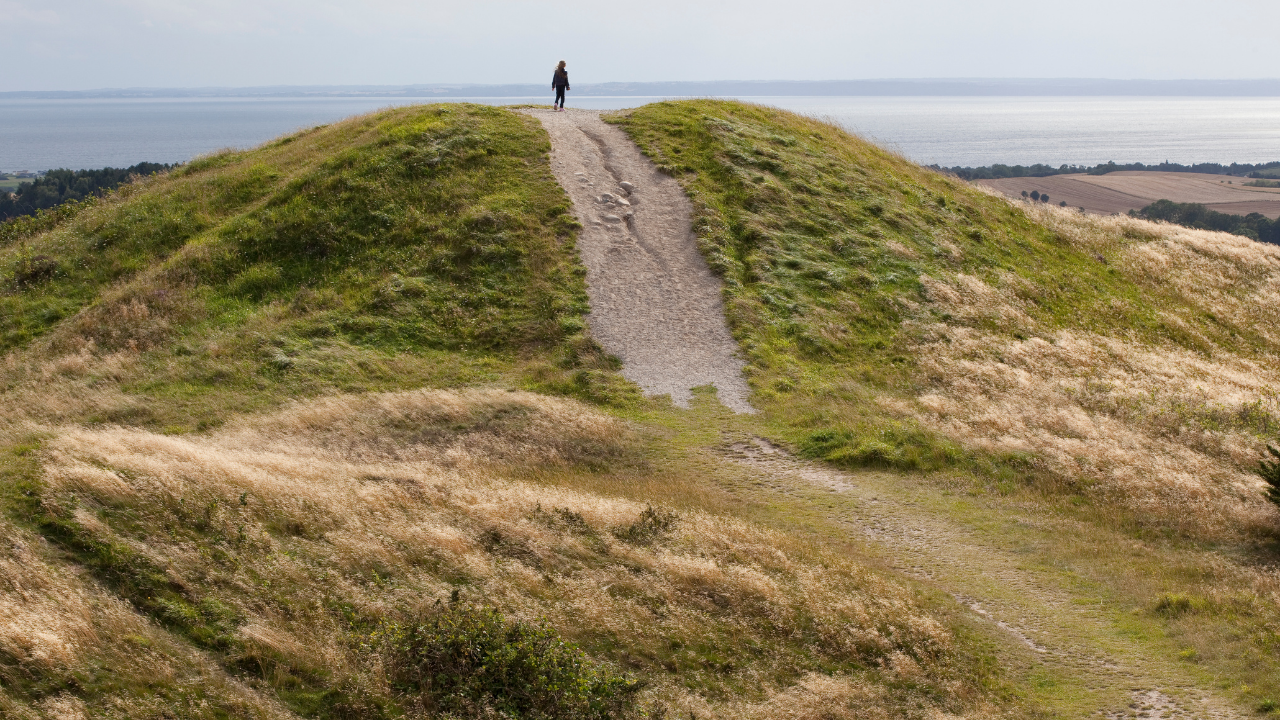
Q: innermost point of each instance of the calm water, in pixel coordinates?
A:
(42, 134)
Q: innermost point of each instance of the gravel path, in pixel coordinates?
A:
(654, 302)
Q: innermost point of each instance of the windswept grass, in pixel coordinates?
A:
(282, 440)
(293, 548)
(230, 490)
(1172, 432)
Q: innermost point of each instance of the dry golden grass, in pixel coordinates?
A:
(59, 626)
(1164, 430)
(384, 504)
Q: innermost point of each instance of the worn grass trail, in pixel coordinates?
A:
(1064, 638)
(654, 302)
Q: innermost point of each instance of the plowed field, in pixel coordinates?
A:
(1121, 192)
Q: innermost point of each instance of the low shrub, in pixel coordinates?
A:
(1173, 605)
(650, 526)
(1269, 470)
(471, 661)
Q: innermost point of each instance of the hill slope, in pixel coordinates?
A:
(887, 308)
(1112, 379)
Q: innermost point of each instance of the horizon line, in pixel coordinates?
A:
(966, 86)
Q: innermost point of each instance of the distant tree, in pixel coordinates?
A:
(59, 186)
(1194, 215)
(1035, 194)
(1044, 197)
(1271, 169)
(1024, 193)
(1062, 204)
(1270, 471)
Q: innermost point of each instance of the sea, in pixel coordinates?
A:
(948, 131)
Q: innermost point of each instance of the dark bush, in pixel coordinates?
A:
(1041, 170)
(61, 186)
(1194, 215)
(651, 525)
(1035, 194)
(469, 661)
(32, 270)
(1269, 470)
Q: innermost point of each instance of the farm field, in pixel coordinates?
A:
(1121, 192)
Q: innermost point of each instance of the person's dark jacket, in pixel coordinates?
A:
(560, 79)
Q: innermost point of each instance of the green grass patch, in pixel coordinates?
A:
(822, 240)
(426, 245)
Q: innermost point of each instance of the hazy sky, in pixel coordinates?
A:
(86, 44)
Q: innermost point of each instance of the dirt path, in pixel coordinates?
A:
(654, 302)
(1062, 636)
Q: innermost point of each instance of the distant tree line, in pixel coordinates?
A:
(60, 186)
(996, 172)
(1194, 215)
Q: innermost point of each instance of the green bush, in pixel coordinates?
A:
(1173, 605)
(470, 661)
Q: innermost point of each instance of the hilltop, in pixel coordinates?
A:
(293, 425)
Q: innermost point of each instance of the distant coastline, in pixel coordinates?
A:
(940, 87)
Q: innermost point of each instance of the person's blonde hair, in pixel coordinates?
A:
(561, 65)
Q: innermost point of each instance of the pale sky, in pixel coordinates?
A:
(89, 44)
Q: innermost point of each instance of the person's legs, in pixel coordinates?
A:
(560, 97)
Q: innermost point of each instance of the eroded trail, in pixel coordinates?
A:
(1061, 637)
(654, 302)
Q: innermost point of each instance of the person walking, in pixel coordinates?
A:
(560, 81)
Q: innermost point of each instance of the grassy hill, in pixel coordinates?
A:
(317, 430)
(273, 452)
